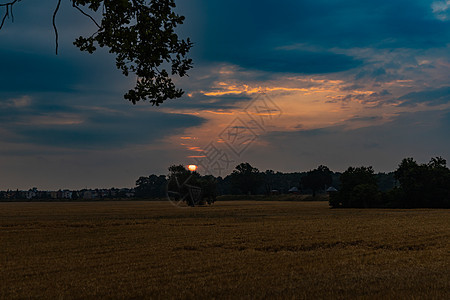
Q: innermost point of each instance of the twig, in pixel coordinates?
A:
(9, 3)
(87, 15)
(54, 25)
(4, 18)
(9, 7)
(12, 14)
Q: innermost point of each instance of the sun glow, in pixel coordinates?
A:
(192, 168)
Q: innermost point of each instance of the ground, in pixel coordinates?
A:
(233, 249)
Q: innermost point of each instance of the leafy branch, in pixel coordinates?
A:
(141, 34)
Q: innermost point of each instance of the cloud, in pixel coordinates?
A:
(338, 69)
(23, 72)
(429, 97)
(418, 134)
(200, 101)
(19, 102)
(441, 9)
(365, 119)
(82, 127)
(241, 33)
(295, 61)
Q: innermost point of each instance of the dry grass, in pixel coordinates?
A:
(230, 250)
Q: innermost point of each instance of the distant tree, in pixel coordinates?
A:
(224, 185)
(152, 186)
(246, 178)
(208, 185)
(179, 175)
(411, 177)
(181, 180)
(356, 176)
(364, 196)
(75, 195)
(176, 186)
(141, 34)
(423, 185)
(317, 179)
(439, 183)
(269, 178)
(358, 188)
(17, 195)
(386, 181)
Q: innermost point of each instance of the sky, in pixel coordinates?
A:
(286, 85)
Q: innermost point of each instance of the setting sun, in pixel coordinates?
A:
(192, 168)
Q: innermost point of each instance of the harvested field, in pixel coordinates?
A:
(233, 249)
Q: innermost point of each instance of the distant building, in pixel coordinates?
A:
(31, 193)
(293, 190)
(88, 194)
(66, 194)
(331, 190)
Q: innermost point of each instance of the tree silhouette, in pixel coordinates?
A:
(317, 179)
(181, 183)
(246, 178)
(424, 185)
(152, 186)
(141, 34)
(358, 189)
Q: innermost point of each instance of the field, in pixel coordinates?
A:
(235, 249)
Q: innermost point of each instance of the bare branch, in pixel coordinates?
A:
(54, 25)
(87, 15)
(9, 7)
(12, 14)
(9, 3)
(3, 20)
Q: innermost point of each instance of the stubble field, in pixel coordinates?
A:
(235, 249)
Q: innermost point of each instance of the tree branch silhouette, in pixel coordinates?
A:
(141, 34)
(87, 15)
(54, 26)
(9, 10)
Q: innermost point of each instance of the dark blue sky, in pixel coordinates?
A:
(358, 84)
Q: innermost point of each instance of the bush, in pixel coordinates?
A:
(358, 189)
(365, 195)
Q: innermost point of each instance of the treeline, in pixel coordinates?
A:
(418, 186)
(244, 180)
(412, 185)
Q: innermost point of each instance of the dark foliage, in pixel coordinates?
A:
(141, 35)
(152, 186)
(246, 178)
(358, 188)
(181, 182)
(280, 182)
(317, 179)
(424, 185)
(386, 181)
(419, 186)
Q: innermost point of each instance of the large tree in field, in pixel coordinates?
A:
(181, 181)
(141, 34)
